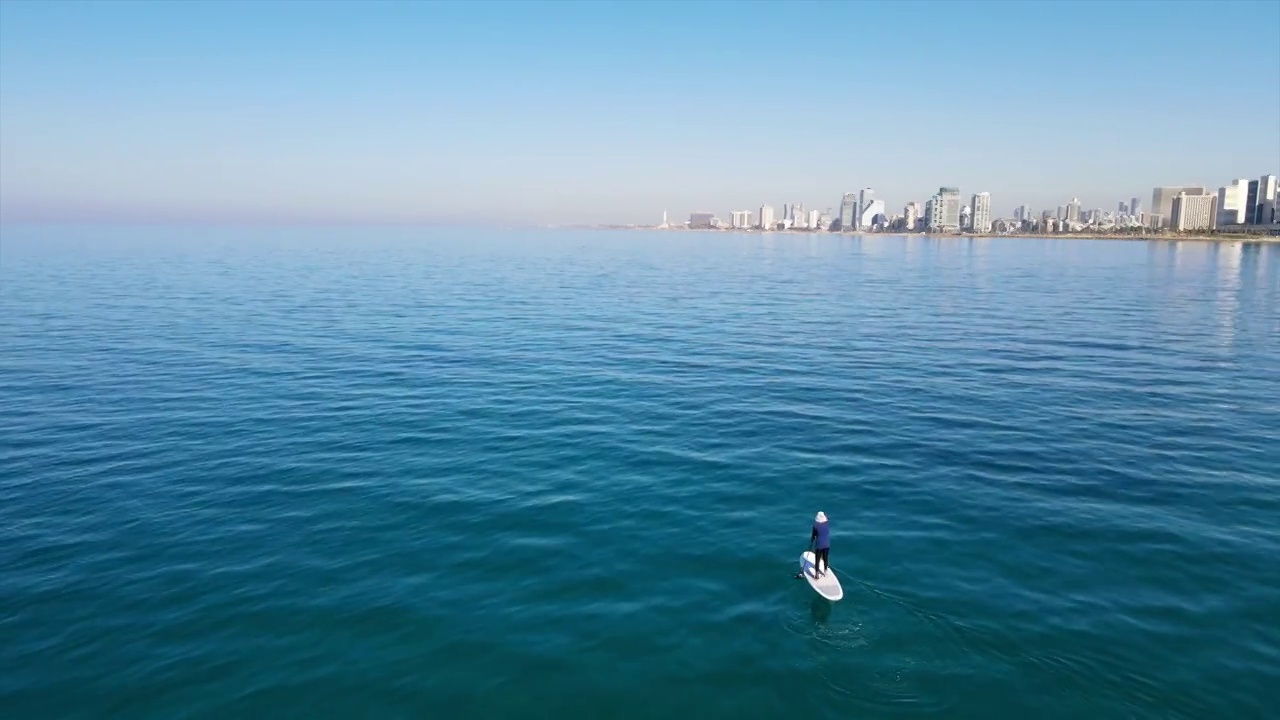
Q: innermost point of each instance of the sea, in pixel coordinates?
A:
(470, 473)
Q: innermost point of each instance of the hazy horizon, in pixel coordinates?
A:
(551, 113)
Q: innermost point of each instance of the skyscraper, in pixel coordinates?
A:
(1122, 208)
(872, 212)
(943, 210)
(812, 220)
(1062, 212)
(1267, 191)
(766, 217)
(1193, 212)
(910, 216)
(1135, 207)
(1073, 210)
(1232, 206)
(740, 219)
(1162, 201)
(865, 198)
(982, 212)
(848, 211)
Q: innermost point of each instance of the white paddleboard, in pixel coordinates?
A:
(828, 586)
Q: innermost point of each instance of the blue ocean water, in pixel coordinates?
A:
(461, 473)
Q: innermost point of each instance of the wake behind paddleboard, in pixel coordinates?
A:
(828, 586)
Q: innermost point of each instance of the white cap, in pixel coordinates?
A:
(822, 517)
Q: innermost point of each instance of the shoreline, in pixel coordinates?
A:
(1163, 237)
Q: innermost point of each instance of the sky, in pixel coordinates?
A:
(594, 112)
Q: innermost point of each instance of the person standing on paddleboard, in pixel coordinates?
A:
(820, 541)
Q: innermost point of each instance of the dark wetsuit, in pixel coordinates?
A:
(821, 540)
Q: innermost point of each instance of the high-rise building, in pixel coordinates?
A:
(1232, 203)
(766, 217)
(981, 204)
(1269, 212)
(1062, 212)
(1162, 200)
(942, 212)
(848, 211)
(799, 218)
(1122, 208)
(865, 198)
(872, 213)
(1257, 201)
(740, 219)
(702, 220)
(1023, 213)
(1193, 212)
(812, 221)
(824, 220)
(1073, 210)
(1135, 207)
(910, 216)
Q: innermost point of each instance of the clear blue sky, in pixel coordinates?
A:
(595, 112)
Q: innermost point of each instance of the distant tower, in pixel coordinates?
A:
(848, 211)
(865, 198)
(664, 220)
(981, 219)
(766, 217)
(1073, 210)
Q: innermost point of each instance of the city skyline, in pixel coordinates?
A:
(538, 113)
(1237, 205)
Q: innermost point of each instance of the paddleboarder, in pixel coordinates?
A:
(820, 543)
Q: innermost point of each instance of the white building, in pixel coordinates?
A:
(910, 216)
(766, 217)
(740, 219)
(1193, 212)
(1162, 201)
(1233, 208)
(1073, 210)
(866, 198)
(872, 210)
(942, 212)
(814, 220)
(982, 212)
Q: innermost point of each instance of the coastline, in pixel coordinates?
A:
(1161, 237)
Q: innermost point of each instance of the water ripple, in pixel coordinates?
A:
(415, 474)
